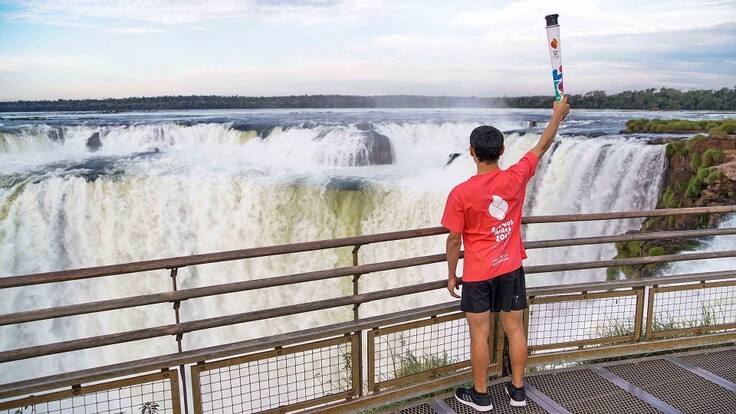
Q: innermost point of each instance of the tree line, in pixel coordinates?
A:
(648, 99)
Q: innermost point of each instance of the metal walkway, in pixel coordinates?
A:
(694, 382)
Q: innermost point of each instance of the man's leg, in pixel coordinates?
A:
(480, 328)
(513, 325)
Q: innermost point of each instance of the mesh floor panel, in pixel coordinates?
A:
(676, 386)
(583, 391)
(418, 409)
(721, 363)
(500, 402)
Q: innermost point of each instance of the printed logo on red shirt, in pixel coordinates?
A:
(498, 208)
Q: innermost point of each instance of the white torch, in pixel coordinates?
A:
(555, 53)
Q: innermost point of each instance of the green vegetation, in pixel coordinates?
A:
(714, 176)
(708, 316)
(728, 127)
(639, 248)
(712, 156)
(680, 126)
(695, 187)
(695, 162)
(694, 140)
(694, 167)
(405, 363)
(615, 328)
(676, 148)
(149, 408)
(410, 364)
(649, 99)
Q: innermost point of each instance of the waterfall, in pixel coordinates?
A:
(157, 190)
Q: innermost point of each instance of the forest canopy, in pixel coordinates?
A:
(648, 99)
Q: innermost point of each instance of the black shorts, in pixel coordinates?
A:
(501, 293)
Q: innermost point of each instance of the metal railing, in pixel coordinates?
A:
(371, 361)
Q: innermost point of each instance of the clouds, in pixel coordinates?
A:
(251, 47)
(173, 12)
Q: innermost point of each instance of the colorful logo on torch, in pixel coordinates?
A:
(554, 43)
(557, 81)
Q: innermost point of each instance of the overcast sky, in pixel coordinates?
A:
(52, 49)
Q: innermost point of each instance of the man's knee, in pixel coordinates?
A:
(479, 325)
(513, 321)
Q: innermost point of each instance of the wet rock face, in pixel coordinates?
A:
(94, 143)
(379, 148)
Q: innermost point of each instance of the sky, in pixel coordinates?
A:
(78, 49)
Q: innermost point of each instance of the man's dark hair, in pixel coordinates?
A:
(487, 142)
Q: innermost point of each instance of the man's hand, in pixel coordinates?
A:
(454, 241)
(452, 286)
(561, 109)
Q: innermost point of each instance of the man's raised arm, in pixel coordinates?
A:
(559, 112)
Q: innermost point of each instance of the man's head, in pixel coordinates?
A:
(486, 144)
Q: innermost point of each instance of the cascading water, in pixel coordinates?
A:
(185, 184)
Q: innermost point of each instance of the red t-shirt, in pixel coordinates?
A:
(486, 209)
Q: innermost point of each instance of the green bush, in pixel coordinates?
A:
(714, 127)
(636, 125)
(714, 176)
(713, 156)
(671, 222)
(695, 161)
(680, 186)
(656, 251)
(683, 126)
(669, 200)
(727, 127)
(694, 140)
(612, 273)
(695, 187)
(678, 147)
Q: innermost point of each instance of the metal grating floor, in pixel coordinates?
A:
(676, 386)
(721, 363)
(583, 391)
(423, 408)
(649, 385)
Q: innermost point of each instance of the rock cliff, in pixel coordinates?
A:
(700, 172)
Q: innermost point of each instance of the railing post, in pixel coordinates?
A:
(356, 279)
(356, 316)
(182, 370)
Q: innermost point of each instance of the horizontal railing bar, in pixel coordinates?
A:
(181, 328)
(185, 294)
(630, 262)
(627, 214)
(184, 327)
(184, 261)
(199, 259)
(660, 235)
(221, 351)
(631, 283)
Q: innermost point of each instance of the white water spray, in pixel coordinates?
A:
(211, 188)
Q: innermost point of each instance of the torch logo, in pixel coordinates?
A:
(557, 81)
(554, 43)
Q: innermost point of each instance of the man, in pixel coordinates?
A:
(484, 214)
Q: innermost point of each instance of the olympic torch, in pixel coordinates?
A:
(555, 53)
